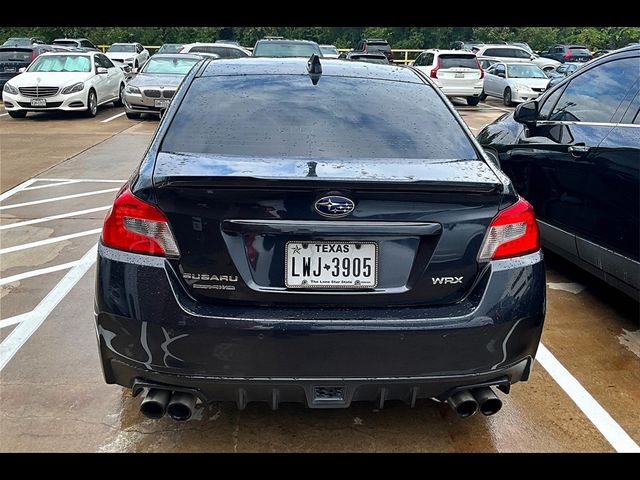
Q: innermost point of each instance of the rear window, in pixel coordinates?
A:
(223, 52)
(276, 49)
(68, 43)
(579, 51)
(378, 47)
(15, 55)
(287, 116)
(458, 61)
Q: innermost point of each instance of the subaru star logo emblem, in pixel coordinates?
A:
(334, 206)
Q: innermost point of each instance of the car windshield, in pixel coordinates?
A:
(288, 49)
(525, 71)
(223, 51)
(280, 116)
(458, 61)
(61, 63)
(18, 42)
(173, 66)
(121, 49)
(329, 50)
(169, 48)
(378, 47)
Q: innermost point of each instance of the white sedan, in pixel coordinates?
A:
(132, 54)
(514, 82)
(64, 81)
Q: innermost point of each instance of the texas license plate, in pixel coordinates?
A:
(321, 265)
(38, 102)
(459, 75)
(162, 103)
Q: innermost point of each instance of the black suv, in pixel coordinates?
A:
(375, 45)
(284, 242)
(575, 155)
(567, 53)
(13, 58)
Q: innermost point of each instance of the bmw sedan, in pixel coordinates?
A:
(151, 89)
(281, 241)
(64, 81)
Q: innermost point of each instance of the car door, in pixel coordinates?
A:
(101, 81)
(114, 76)
(555, 161)
(497, 82)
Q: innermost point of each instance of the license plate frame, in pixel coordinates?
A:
(371, 247)
(38, 102)
(161, 103)
(458, 75)
(9, 70)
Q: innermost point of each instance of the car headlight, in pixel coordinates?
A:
(521, 88)
(132, 89)
(10, 89)
(76, 87)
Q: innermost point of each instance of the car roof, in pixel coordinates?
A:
(124, 43)
(327, 45)
(375, 40)
(449, 52)
(178, 55)
(500, 45)
(298, 66)
(219, 44)
(519, 64)
(285, 40)
(73, 39)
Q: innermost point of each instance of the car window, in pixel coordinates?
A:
(378, 47)
(286, 116)
(279, 49)
(86, 43)
(107, 61)
(15, 55)
(595, 95)
(547, 104)
(428, 59)
(169, 65)
(449, 60)
(139, 48)
(499, 68)
(221, 51)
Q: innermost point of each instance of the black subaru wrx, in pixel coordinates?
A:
(321, 232)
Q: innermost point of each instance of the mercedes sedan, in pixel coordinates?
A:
(281, 241)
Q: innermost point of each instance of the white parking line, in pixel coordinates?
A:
(88, 180)
(57, 199)
(608, 427)
(31, 322)
(13, 320)
(39, 243)
(498, 108)
(35, 273)
(49, 185)
(16, 189)
(114, 117)
(3, 114)
(54, 217)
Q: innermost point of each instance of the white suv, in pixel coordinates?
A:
(456, 72)
(132, 54)
(512, 53)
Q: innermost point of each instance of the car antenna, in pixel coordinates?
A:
(314, 68)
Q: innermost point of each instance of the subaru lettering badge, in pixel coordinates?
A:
(334, 206)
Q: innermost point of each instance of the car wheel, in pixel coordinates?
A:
(17, 114)
(506, 98)
(119, 102)
(133, 115)
(92, 104)
(483, 96)
(473, 101)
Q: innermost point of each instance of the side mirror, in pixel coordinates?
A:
(501, 74)
(102, 71)
(22, 69)
(527, 112)
(127, 68)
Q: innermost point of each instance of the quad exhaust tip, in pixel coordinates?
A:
(466, 402)
(154, 404)
(488, 401)
(463, 403)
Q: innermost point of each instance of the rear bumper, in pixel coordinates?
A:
(463, 91)
(150, 329)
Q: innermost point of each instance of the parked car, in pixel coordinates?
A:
(131, 54)
(71, 81)
(574, 154)
(82, 43)
(567, 53)
(486, 62)
(303, 245)
(22, 42)
(12, 59)
(512, 53)
(562, 71)
(153, 87)
(375, 45)
(379, 58)
(280, 47)
(514, 82)
(329, 51)
(169, 48)
(457, 72)
(523, 45)
(223, 50)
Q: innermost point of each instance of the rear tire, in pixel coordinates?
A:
(119, 102)
(473, 101)
(92, 104)
(506, 98)
(133, 115)
(17, 114)
(483, 96)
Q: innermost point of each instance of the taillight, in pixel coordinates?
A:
(568, 55)
(33, 55)
(434, 72)
(137, 226)
(481, 70)
(511, 233)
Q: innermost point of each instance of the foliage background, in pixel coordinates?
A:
(343, 37)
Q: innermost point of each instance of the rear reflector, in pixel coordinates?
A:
(512, 232)
(137, 226)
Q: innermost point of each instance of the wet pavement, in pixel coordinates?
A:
(582, 396)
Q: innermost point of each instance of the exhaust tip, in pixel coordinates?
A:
(491, 406)
(155, 402)
(179, 412)
(181, 406)
(463, 403)
(466, 409)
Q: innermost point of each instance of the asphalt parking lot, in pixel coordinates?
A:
(59, 174)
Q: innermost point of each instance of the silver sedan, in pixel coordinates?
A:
(152, 88)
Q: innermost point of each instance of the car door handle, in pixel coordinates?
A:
(579, 150)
